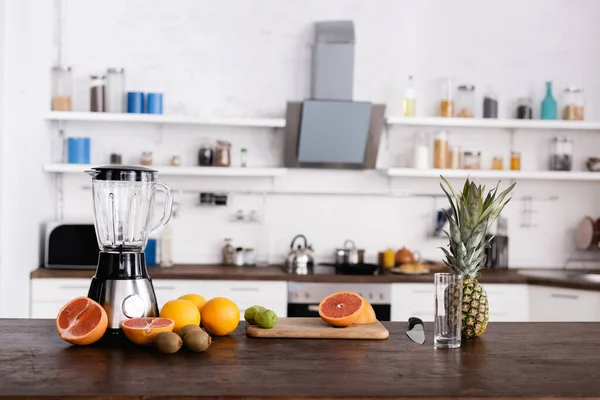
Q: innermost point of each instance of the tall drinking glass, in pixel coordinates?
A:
(448, 310)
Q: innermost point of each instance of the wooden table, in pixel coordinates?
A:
(522, 360)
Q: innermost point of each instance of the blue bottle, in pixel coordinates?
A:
(549, 104)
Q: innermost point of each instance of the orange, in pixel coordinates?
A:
(367, 316)
(182, 312)
(198, 300)
(341, 308)
(220, 316)
(143, 330)
(81, 321)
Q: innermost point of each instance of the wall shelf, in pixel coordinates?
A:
(163, 119)
(167, 170)
(493, 174)
(482, 123)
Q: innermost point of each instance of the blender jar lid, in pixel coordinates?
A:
(123, 173)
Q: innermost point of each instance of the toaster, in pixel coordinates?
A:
(70, 246)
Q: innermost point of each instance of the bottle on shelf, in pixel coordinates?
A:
(549, 104)
(421, 151)
(515, 161)
(244, 157)
(409, 104)
(447, 98)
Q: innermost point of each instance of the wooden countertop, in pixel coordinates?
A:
(274, 272)
(520, 360)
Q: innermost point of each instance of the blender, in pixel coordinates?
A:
(123, 208)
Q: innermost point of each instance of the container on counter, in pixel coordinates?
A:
(561, 154)
(497, 163)
(454, 158)
(524, 108)
(206, 155)
(62, 87)
(515, 161)
(447, 98)
(146, 158)
(409, 103)
(228, 253)
(389, 258)
(549, 104)
(421, 151)
(490, 105)
(244, 157)
(154, 103)
(176, 161)
(98, 93)
(207, 198)
(239, 256)
(573, 99)
(116, 159)
(135, 102)
(465, 101)
(440, 150)
(249, 256)
(471, 160)
(223, 154)
(115, 90)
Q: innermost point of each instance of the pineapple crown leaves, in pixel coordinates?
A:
(470, 216)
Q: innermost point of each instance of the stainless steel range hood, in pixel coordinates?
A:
(331, 130)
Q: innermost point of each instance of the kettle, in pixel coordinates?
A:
(300, 260)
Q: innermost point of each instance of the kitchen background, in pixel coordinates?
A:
(246, 59)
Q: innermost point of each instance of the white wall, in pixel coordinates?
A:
(247, 58)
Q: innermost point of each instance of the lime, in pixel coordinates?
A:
(251, 312)
(266, 319)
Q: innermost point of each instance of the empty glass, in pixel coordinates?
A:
(448, 310)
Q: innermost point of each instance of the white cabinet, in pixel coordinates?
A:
(508, 302)
(49, 295)
(550, 304)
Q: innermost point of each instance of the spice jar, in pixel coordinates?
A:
(524, 108)
(244, 157)
(228, 253)
(176, 161)
(573, 99)
(62, 86)
(206, 155)
(490, 105)
(115, 90)
(115, 159)
(466, 101)
(515, 161)
(447, 98)
(223, 154)
(497, 163)
(249, 256)
(98, 93)
(440, 150)
(146, 158)
(561, 155)
(471, 160)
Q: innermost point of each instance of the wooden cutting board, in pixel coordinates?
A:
(316, 328)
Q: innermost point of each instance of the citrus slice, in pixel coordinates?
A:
(81, 321)
(367, 316)
(341, 308)
(143, 330)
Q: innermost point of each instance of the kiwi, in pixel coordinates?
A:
(187, 328)
(167, 342)
(197, 341)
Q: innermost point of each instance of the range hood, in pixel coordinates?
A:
(330, 130)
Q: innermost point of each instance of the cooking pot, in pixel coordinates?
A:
(348, 254)
(299, 260)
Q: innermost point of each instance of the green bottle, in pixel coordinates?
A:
(549, 104)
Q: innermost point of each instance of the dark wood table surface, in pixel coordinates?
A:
(519, 360)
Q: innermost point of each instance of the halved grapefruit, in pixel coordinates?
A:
(341, 308)
(81, 321)
(367, 316)
(143, 330)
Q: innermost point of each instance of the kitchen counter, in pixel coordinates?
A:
(274, 272)
(522, 360)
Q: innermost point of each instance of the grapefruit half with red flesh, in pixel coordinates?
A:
(81, 321)
(142, 331)
(342, 308)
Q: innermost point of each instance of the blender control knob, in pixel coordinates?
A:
(133, 306)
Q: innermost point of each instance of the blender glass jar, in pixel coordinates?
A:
(124, 205)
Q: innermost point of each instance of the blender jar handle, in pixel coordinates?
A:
(168, 208)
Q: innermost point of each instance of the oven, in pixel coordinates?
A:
(304, 297)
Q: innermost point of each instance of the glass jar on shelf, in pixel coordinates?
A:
(146, 158)
(223, 154)
(440, 150)
(98, 93)
(561, 155)
(115, 90)
(490, 105)
(524, 108)
(228, 253)
(497, 163)
(244, 157)
(62, 87)
(447, 98)
(471, 160)
(573, 100)
(515, 160)
(421, 151)
(453, 161)
(206, 155)
(465, 101)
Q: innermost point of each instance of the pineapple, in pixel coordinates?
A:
(470, 216)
